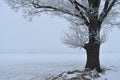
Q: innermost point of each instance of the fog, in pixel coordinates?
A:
(42, 34)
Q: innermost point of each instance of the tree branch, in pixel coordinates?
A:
(108, 6)
(81, 14)
(77, 7)
(36, 5)
(77, 3)
(84, 18)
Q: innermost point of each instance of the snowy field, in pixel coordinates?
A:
(43, 66)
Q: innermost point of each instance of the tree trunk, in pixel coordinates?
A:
(93, 46)
(93, 61)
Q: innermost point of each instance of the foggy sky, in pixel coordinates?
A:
(43, 34)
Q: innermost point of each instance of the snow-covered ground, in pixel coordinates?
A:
(43, 66)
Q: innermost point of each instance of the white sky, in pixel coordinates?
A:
(43, 34)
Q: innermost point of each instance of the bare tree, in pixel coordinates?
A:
(91, 14)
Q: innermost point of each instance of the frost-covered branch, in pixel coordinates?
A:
(82, 10)
(31, 8)
(107, 7)
(76, 5)
(78, 37)
(65, 11)
(112, 18)
(74, 2)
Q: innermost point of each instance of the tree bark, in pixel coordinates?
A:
(93, 46)
(93, 61)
